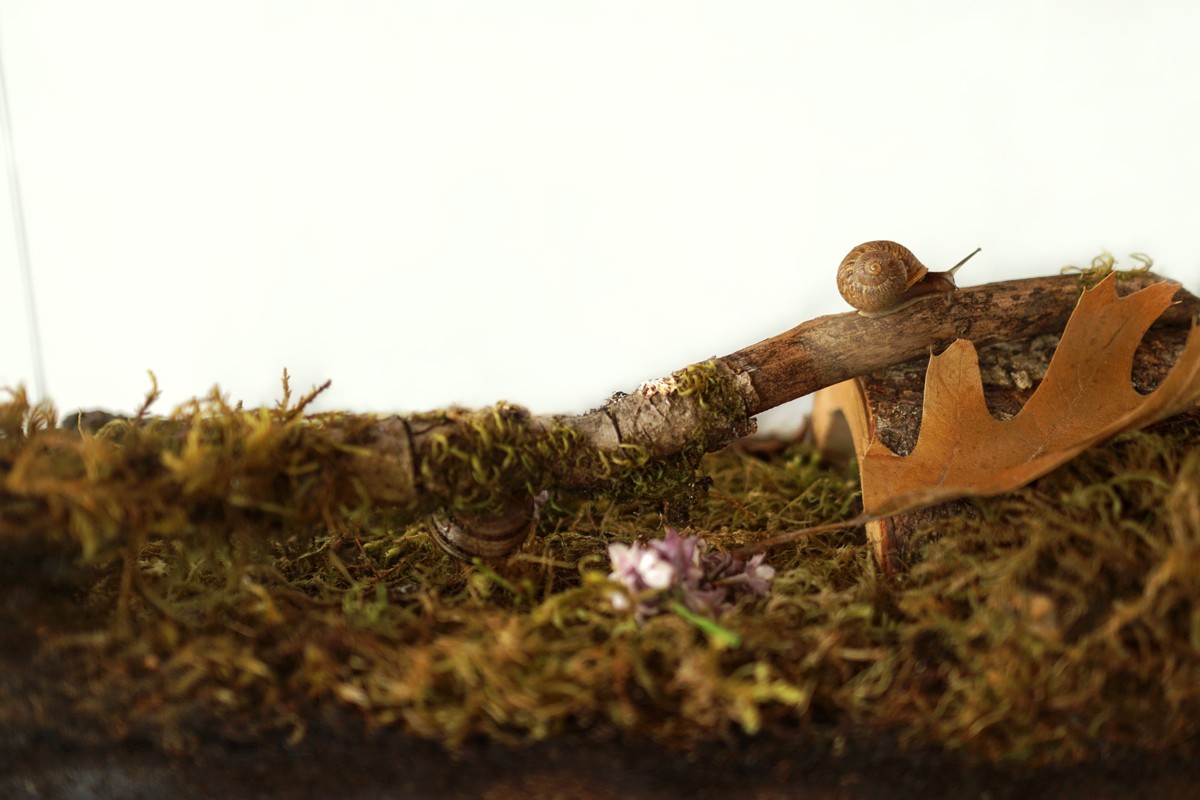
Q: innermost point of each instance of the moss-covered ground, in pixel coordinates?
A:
(1056, 625)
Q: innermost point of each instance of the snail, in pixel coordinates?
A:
(880, 278)
(487, 536)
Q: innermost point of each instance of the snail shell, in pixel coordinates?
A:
(880, 278)
(487, 536)
(876, 277)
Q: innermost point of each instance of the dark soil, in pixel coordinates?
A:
(575, 766)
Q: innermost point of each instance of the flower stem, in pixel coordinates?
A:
(714, 630)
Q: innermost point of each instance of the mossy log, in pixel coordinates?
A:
(276, 471)
(634, 440)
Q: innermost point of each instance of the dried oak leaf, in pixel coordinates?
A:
(1086, 397)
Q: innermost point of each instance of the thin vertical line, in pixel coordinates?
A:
(18, 210)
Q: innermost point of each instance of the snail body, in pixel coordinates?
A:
(486, 536)
(882, 277)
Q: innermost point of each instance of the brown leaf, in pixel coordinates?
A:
(1087, 396)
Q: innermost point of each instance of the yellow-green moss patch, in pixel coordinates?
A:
(1060, 623)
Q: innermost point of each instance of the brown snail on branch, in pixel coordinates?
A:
(486, 536)
(880, 278)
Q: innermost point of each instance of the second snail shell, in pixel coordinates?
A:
(875, 276)
(488, 536)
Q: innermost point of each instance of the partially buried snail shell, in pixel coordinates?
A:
(468, 536)
(880, 278)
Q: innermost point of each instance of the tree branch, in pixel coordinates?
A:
(828, 350)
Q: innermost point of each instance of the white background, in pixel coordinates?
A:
(458, 202)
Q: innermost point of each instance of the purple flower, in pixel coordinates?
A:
(682, 554)
(682, 568)
(640, 568)
(753, 578)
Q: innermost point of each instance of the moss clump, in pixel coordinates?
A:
(1104, 265)
(476, 459)
(1066, 619)
(1060, 623)
(211, 473)
(718, 393)
(643, 470)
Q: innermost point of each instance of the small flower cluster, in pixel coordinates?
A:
(681, 568)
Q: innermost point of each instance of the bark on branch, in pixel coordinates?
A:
(828, 350)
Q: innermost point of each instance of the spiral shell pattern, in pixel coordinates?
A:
(874, 276)
(487, 536)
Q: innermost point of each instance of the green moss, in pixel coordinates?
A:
(209, 473)
(1059, 623)
(481, 458)
(715, 388)
(1104, 265)
(1067, 617)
